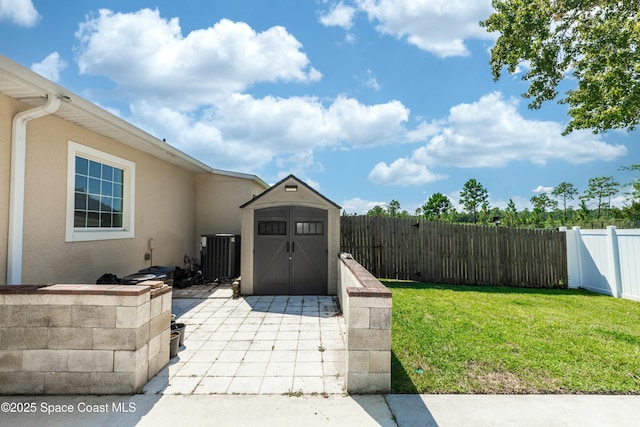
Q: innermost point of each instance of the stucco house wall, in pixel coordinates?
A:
(219, 198)
(175, 197)
(164, 207)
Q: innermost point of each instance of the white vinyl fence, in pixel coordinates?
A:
(605, 261)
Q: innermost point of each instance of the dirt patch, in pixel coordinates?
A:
(482, 379)
(502, 382)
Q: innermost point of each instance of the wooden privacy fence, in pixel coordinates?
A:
(456, 253)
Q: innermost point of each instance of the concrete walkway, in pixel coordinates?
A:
(255, 345)
(333, 410)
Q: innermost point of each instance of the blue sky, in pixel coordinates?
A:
(366, 100)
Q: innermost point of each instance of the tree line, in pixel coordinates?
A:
(550, 210)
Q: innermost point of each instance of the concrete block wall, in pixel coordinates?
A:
(366, 306)
(82, 339)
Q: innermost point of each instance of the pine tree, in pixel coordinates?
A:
(472, 196)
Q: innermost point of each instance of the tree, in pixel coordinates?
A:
(510, 214)
(596, 40)
(377, 210)
(437, 205)
(564, 192)
(472, 196)
(635, 184)
(632, 211)
(540, 204)
(583, 214)
(601, 188)
(393, 210)
(486, 213)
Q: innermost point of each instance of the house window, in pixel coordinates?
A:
(99, 195)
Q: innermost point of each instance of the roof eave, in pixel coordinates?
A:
(291, 176)
(27, 86)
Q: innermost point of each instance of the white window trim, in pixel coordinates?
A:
(128, 205)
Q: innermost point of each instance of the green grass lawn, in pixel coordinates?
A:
(473, 339)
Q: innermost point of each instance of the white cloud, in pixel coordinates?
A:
(423, 131)
(246, 133)
(148, 55)
(368, 125)
(189, 90)
(297, 122)
(50, 67)
(620, 201)
(402, 172)
(360, 206)
(491, 133)
(199, 136)
(20, 12)
(302, 164)
(339, 15)
(542, 189)
(369, 80)
(437, 26)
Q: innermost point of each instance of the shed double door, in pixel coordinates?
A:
(290, 251)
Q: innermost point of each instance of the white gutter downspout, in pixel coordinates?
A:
(16, 186)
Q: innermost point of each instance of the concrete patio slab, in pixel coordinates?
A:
(255, 345)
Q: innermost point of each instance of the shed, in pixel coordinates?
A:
(291, 238)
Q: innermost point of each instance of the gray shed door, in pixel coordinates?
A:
(291, 245)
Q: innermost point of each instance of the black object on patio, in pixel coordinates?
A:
(134, 279)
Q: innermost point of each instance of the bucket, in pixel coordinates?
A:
(174, 344)
(180, 327)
